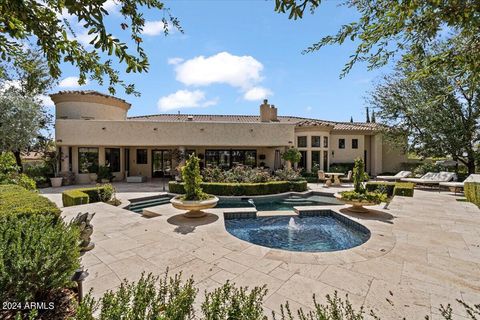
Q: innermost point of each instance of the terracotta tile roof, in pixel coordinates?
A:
(89, 92)
(298, 121)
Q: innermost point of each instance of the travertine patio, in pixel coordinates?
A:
(424, 251)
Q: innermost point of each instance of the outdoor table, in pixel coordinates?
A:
(335, 175)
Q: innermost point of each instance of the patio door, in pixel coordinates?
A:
(161, 163)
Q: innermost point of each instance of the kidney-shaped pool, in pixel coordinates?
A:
(324, 232)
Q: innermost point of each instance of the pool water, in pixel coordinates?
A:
(308, 234)
(275, 204)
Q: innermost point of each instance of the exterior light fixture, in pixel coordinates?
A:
(333, 153)
(104, 128)
(155, 129)
(79, 276)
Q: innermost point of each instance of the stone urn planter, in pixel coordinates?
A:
(357, 206)
(56, 182)
(194, 207)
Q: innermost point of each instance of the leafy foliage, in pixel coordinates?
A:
(22, 119)
(230, 302)
(99, 193)
(387, 28)
(9, 172)
(238, 173)
(151, 297)
(49, 24)
(472, 192)
(292, 155)
(38, 254)
(104, 173)
(17, 200)
(243, 189)
(288, 175)
(438, 113)
(359, 175)
(192, 178)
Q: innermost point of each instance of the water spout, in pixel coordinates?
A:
(292, 225)
(252, 203)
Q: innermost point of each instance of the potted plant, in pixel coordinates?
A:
(52, 157)
(292, 156)
(194, 200)
(93, 169)
(104, 174)
(360, 197)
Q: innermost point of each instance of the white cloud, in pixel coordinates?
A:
(70, 82)
(175, 61)
(184, 99)
(7, 84)
(257, 93)
(154, 28)
(110, 6)
(46, 100)
(238, 71)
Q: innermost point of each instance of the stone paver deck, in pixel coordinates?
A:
(423, 251)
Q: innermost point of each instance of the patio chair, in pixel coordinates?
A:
(397, 177)
(432, 179)
(321, 176)
(348, 178)
(457, 187)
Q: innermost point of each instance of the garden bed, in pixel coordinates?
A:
(74, 197)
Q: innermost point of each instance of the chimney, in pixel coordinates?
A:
(265, 111)
(273, 113)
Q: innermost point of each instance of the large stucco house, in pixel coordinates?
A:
(94, 129)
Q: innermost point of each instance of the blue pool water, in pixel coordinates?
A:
(275, 203)
(308, 234)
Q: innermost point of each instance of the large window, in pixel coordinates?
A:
(87, 160)
(142, 157)
(325, 142)
(303, 160)
(226, 159)
(112, 159)
(316, 141)
(341, 143)
(354, 143)
(315, 160)
(302, 142)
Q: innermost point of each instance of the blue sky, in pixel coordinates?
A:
(233, 53)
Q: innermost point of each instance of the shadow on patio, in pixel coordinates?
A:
(188, 225)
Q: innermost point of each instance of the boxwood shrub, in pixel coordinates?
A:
(404, 189)
(243, 189)
(38, 255)
(17, 200)
(75, 197)
(472, 192)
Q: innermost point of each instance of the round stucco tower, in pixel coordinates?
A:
(89, 105)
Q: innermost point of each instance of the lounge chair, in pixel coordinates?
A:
(348, 178)
(457, 187)
(432, 179)
(397, 177)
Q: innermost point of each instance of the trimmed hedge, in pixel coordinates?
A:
(17, 200)
(243, 189)
(472, 192)
(404, 189)
(75, 197)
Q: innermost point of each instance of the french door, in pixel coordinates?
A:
(161, 163)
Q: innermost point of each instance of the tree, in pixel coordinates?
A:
(374, 118)
(292, 155)
(438, 115)
(367, 120)
(22, 119)
(351, 119)
(387, 28)
(47, 23)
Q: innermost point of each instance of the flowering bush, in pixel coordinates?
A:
(288, 175)
(236, 174)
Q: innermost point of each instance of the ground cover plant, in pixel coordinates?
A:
(99, 193)
(10, 172)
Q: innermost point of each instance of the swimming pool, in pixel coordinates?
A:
(320, 233)
(278, 203)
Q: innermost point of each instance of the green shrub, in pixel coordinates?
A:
(74, 197)
(292, 155)
(391, 189)
(373, 197)
(381, 187)
(229, 302)
(17, 200)
(40, 173)
(287, 175)
(239, 173)
(341, 167)
(404, 189)
(472, 192)
(193, 180)
(243, 189)
(150, 298)
(8, 164)
(104, 173)
(9, 172)
(99, 193)
(38, 254)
